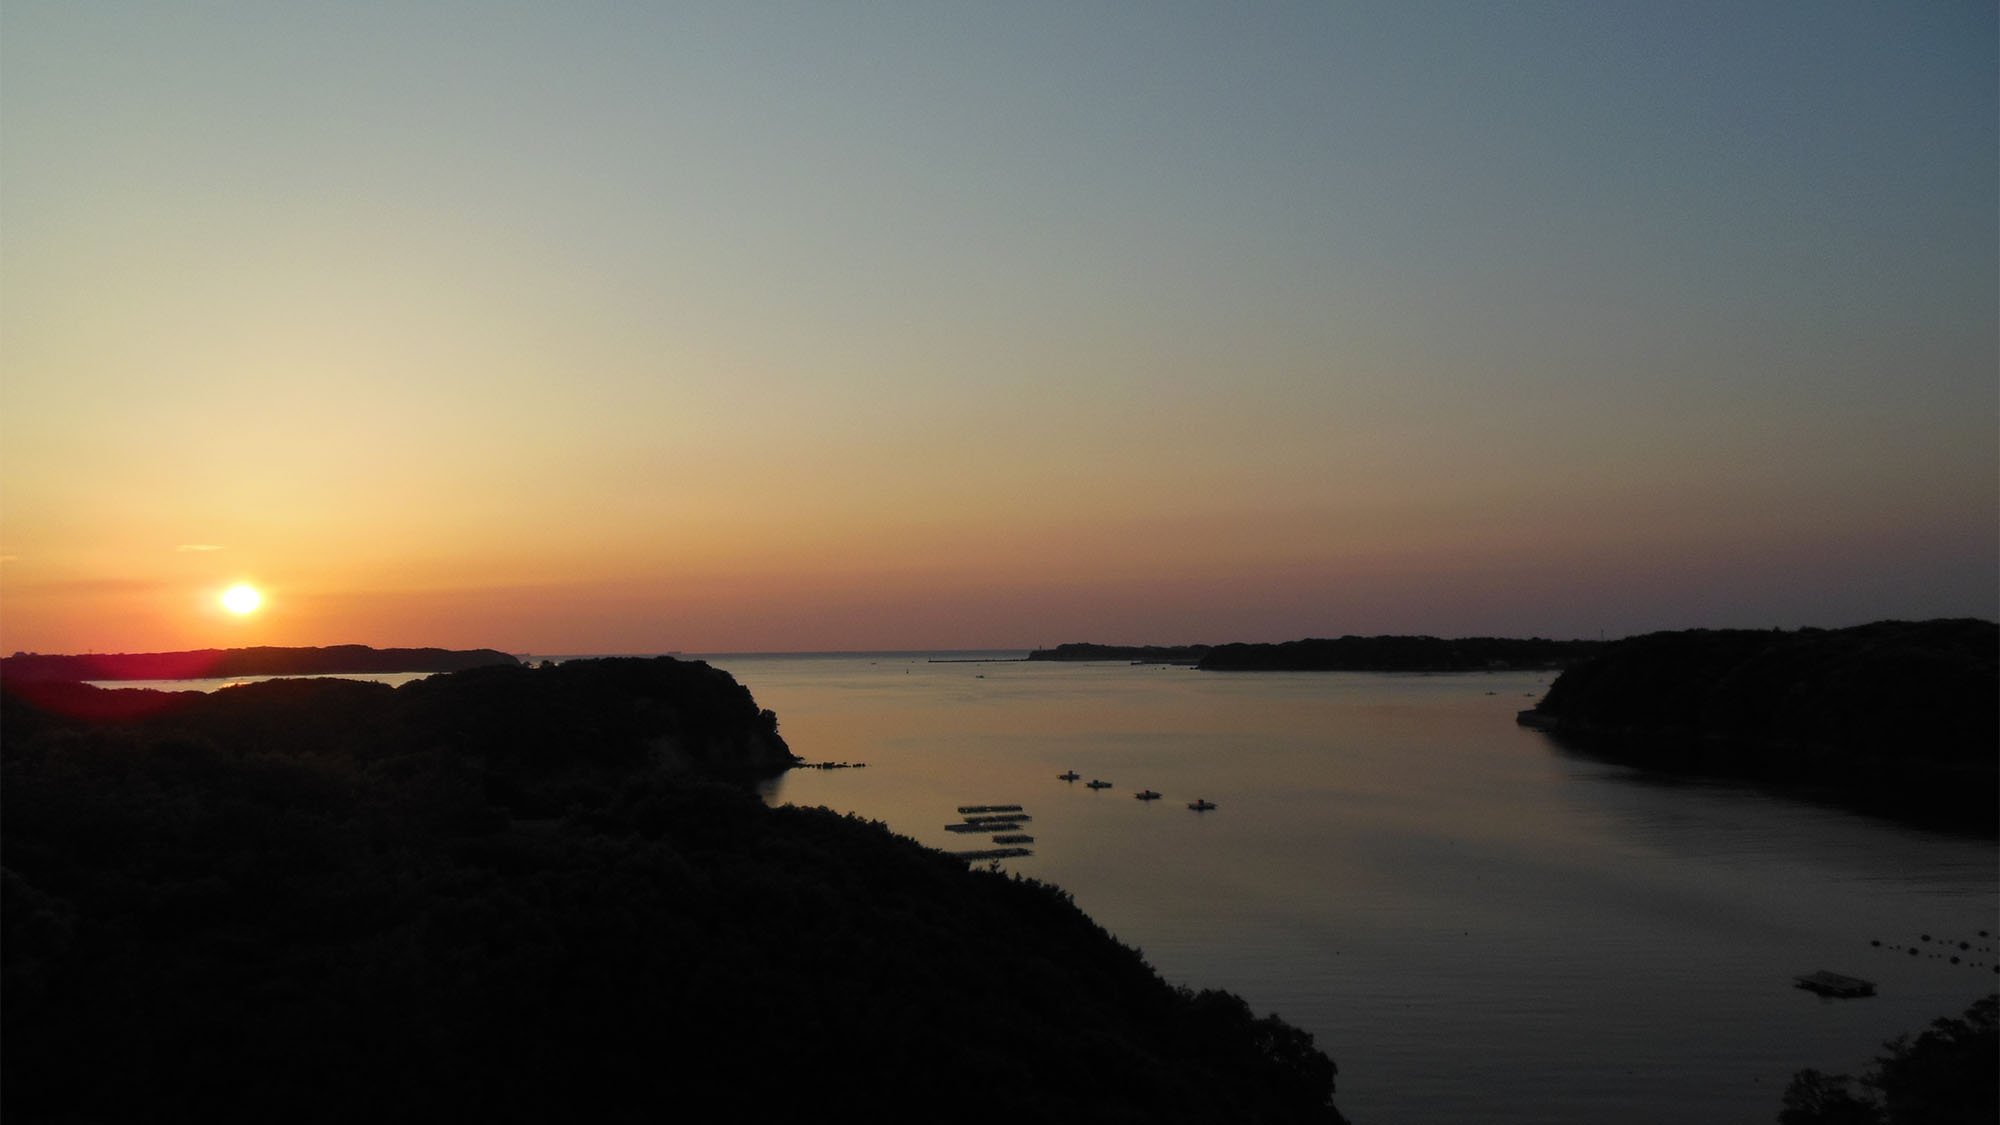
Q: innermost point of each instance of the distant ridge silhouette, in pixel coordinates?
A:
(1389, 653)
(259, 661)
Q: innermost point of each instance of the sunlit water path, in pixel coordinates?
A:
(1475, 925)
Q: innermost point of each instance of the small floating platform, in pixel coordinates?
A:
(988, 808)
(1147, 795)
(1201, 805)
(1070, 776)
(1014, 838)
(994, 853)
(1093, 783)
(1835, 985)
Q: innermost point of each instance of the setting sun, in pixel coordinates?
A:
(241, 599)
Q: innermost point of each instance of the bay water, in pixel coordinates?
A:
(1475, 924)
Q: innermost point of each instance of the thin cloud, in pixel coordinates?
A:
(198, 547)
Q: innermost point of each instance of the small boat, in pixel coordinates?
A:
(1201, 805)
(1070, 776)
(1093, 783)
(1835, 985)
(1147, 795)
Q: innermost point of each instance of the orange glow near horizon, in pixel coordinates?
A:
(902, 334)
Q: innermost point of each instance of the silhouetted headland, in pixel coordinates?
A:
(1897, 718)
(1343, 654)
(260, 661)
(540, 894)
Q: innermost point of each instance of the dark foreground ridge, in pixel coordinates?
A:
(1950, 1073)
(262, 661)
(1343, 654)
(1896, 718)
(536, 894)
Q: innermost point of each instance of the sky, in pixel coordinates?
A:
(630, 327)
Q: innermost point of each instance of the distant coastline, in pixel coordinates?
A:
(259, 661)
(1141, 654)
(1345, 654)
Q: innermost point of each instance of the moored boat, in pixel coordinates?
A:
(1201, 804)
(1094, 783)
(1147, 795)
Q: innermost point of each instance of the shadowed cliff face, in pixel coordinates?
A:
(678, 714)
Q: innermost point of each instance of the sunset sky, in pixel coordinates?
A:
(629, 327)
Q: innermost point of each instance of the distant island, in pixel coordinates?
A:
(1138, 654)
(1898, 718)
(1344, 654)
(545, 893)
(260, 661)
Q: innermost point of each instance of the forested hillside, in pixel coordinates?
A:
(1897, 717)
(519, 894)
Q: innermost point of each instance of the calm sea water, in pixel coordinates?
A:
(1474, 924)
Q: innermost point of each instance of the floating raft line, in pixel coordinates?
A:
(988, 808)
(994, 853)
(1835, 985)
(977, 827)
(1014, 838)
(999, 818)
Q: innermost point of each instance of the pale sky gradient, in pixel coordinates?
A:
(630, 327)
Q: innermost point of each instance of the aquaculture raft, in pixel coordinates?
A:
(987, 820)
(1835, 985)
